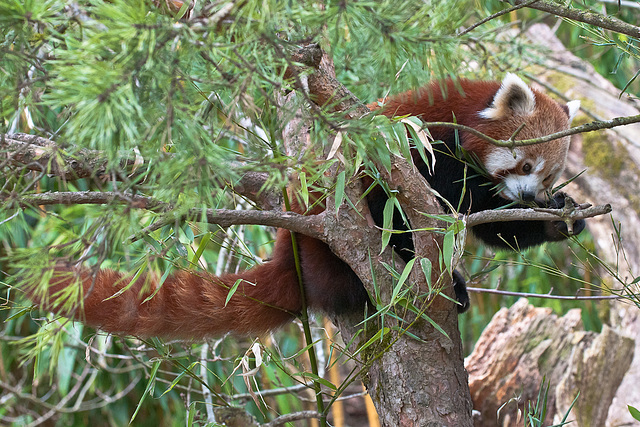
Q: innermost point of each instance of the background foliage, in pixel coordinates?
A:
(192, 97)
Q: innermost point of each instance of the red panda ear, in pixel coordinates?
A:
(513, 98)
(572, 108)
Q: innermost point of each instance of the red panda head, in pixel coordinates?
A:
(528, 171)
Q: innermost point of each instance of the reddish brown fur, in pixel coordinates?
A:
(438, 102)
(188, 305)
(192, 305)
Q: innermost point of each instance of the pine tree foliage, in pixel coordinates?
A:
(179, 104)
(178, 110)
(194, 100)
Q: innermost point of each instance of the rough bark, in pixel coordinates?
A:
(524, 346)
(599, 20)
(612, 161)
(405, 390)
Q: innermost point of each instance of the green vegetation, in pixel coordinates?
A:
(180, 110)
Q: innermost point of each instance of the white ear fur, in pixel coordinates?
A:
(573, 107)
(513, 97)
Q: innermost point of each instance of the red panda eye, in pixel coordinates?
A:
(526, 168)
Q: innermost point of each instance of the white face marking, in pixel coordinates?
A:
(539, 165)
(500, 159)
(516, 185)
(573, 106)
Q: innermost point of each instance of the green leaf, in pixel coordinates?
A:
(149, 389)
(18, 313)
(634, 412)
(232, 291)
(411, 307)
(304, 189)
(308, 376)
(434, 324)
(188, 234)
(376, 337)
(179, 377)
(421, 137)
(166, 274)
(567, 182)
(135, 277)
(400, 133)
(340, 184)
(387, 221)
(427, 267)
(448, 246)
(204, 240)
(566, 415)
(183, 9)
(67, 360)
(403, 279)
(191, 415)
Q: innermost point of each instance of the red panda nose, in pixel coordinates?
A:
(527, 196)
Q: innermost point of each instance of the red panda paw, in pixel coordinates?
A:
(558, 230)
(460, 289)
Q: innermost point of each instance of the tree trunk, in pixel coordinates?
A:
(414, 378)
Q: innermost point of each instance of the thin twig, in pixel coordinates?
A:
(592, 18)
(283, 419)
(534, 214)
(622, 3)
(546, 296)
(310, 225)
(496, 15)
(88, 406)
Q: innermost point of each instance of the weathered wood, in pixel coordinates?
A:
(524, 346)
(612, 161)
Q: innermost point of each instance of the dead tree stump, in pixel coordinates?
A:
(524, 346)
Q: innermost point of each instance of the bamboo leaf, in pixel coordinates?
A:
(232, 291)
(403, 279)
(304, 189)
(387, 222)
(204, 240)
(149, 390)
(340, 184)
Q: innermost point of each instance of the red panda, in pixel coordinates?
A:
(193, 305)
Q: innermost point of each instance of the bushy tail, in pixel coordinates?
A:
(187, 305)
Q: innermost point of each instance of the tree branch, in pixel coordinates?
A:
(592, 18)
(322, 85)
(496, 15)
(295, 416)
(536, 214)
(44, 155)
(309, 225)
(546, 296)
(510, 143)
